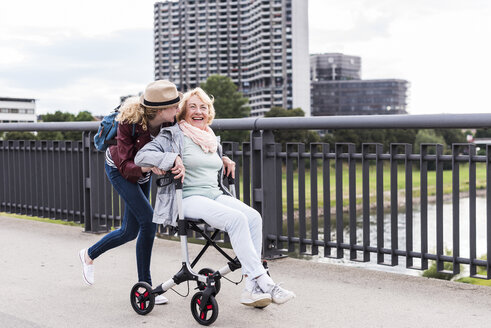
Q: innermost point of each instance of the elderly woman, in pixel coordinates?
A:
(205, 198)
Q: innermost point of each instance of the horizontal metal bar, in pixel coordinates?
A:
(444, 258)
(400, 157)
(440, 121)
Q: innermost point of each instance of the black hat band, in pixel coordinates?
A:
(164, 103)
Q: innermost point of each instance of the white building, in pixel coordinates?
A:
(261, 45)
(17, 110)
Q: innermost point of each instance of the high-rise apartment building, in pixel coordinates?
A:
(261, 45)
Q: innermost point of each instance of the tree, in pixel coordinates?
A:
(284, 136)
(20, 135)
(228, 103)
(59, 116)
(451, 136)
(382, 136)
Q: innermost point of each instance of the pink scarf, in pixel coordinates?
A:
(206, 139)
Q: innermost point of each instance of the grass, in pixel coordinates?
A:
(38, 219)
(401, 183)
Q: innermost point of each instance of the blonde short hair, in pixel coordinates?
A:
(208, 100)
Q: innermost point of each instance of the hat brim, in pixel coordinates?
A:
(163, 106)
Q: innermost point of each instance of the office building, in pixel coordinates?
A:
(334, 67)
(17, 110)
(359, 97)
(261, 45)
(337, 88)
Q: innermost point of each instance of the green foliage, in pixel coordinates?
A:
(228, 103)
(428, 136)
(451, 136)
(20, 135)
(382, 136)
(84, 116)
(476, 281)
(59, 116)
(433, 273)
(284, 136)
(483, 133)
(447, 266)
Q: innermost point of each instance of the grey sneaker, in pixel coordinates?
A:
(255, 297)
(280, 295)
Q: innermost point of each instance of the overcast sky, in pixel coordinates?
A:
(83, 55)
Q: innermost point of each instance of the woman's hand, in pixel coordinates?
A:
(178, 169)
(154, 169)
(229, 166)
(146, 169)
(158, 171)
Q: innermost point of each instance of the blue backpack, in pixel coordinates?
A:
(107, 131)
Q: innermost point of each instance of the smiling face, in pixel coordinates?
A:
(197, 112)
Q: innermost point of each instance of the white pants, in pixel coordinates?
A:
(242, 223)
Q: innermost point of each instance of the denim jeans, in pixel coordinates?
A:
(137, 221)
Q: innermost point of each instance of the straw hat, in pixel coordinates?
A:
(160, 94)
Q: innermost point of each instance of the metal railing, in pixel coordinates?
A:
(315, 199)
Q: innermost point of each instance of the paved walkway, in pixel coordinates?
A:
(41, 286)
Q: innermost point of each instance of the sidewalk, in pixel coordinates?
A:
(41, 286)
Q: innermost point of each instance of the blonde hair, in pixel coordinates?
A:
(208, 100)
(132, 112)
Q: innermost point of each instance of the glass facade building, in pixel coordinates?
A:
(337, 88)
(359, 97)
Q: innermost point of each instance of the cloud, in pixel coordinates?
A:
(49, 71)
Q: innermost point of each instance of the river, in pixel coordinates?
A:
(447, 235)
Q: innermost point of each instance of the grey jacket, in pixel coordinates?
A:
(161, 152)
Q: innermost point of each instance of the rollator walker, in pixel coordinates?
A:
(204, 306)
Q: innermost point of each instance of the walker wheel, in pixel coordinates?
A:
(210, 312)
(208, 272)
(141, 298)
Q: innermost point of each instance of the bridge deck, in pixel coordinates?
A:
(41, 286)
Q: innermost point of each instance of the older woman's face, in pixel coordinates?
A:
(197, 112)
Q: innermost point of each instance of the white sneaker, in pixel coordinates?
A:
(161, 299)
(255, 297)
(87, 269)
(280, 295)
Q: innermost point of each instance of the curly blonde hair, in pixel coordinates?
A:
(132, 112)
(208, 100)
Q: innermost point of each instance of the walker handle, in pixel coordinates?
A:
(167, 179)
(177, 182)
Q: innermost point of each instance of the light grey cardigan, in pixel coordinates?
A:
(161, 152)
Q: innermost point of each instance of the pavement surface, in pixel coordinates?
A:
(41, 286)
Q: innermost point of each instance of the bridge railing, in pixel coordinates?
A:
(318, 199)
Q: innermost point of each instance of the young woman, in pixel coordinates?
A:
(140, 120)
(194, 141)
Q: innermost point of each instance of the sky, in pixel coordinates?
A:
(83, 55)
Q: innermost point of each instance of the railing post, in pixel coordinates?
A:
(263, 188)
(87, 216)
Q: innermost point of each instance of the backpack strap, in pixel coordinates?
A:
(133, 133)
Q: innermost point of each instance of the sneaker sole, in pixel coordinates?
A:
(82, 260)
(258, 303)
